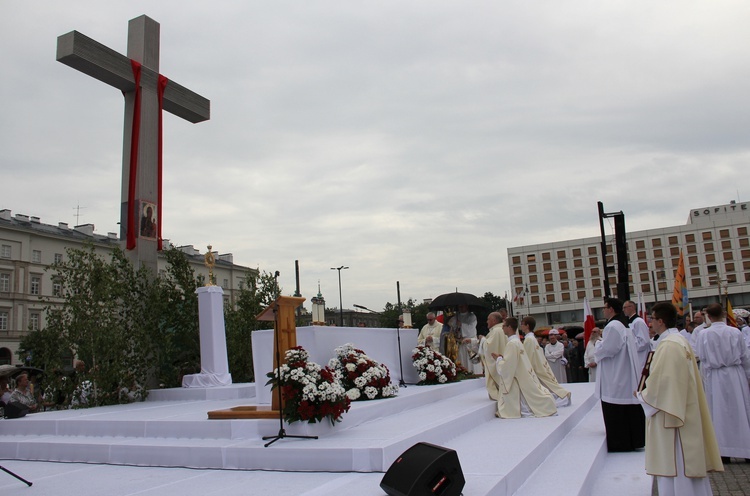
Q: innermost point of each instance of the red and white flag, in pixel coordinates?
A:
(588, 321)
(642, 308)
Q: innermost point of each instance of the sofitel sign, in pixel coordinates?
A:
(724, 208)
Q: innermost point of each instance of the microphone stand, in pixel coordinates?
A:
(15, 475)
(282, 433)
(401, 382)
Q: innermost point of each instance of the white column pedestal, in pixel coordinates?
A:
(214, 361)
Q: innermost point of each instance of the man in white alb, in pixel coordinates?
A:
(640, 330)
(430, 333)
(554, 353)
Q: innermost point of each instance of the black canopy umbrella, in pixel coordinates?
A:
(456, 299)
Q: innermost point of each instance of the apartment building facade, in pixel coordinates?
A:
(557, 276)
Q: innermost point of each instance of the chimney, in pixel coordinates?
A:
(22, 217)
(87, 229)
(35, 220)
(5, 214)
(111, 235)
(63, 225)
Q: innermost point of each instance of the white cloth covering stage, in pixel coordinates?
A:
(320, 341)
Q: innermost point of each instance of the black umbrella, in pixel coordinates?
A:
(456, 299)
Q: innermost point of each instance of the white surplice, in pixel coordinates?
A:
(554, 353)
(725, 369)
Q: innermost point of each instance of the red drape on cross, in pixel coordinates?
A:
(134, 142)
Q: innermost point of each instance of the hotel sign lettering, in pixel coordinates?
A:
(722, 209)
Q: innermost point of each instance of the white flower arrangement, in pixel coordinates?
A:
(432, 367)
(362, 377)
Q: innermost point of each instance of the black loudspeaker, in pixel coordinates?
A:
(424, 469)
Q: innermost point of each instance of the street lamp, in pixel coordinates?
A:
(341, 303)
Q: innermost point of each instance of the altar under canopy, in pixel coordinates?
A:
(320, 341)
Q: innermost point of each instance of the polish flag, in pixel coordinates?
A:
(588, 321)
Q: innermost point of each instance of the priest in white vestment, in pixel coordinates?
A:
(639, 328)
(589, 360)
(539, 362)
(493, 343)
(554, 352)
(725, 369)
(430, 333)
(520, 392)
(681, 446)
(617, 376)
(466, 321)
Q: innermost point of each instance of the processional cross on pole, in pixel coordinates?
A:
(146, 94)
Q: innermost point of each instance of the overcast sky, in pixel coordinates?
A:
(411, 141)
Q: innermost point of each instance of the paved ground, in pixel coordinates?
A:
(734, 481)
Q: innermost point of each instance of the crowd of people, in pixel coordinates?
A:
(682, 394)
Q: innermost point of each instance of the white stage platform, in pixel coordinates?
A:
(128, 449)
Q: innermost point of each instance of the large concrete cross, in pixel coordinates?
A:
(140, 214)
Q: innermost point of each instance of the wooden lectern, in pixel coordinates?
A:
(281, 312)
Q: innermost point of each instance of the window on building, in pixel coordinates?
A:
(58, 257)
(546, 256)
(56, 288)
(34, 321)
(745, 254)
(658, 253)
(726, 245)
(516, 270)
(691, 260)
(596, 282)
(674, 251)
(535, 300)
(744, 242)
(565, 297)
(594, 271)
(562, 264)
(690, 238)
(565, 285)
(36, 283)
(655, 242)
(659, 264)
(728, 255)
(746, 265)
(532, 268)
(724, 233)
(695, 271)
(533, 278)
(564, 274)
(579, 273)
(708, 247)
(593, 260)
(550, 298)
(641, 255)
(577, 262)
(5, 251)
(645, 288)
(516, 259)
(692, 249)
(729, 267)
(580, 284)
(36, 256)
(581, 295)
(534, 289)
(547, 276)
(549, 287)
(706, 235)
(576, 252)
(547, 266)
(597, 293)
(4, 282)
(673, 240)
(710, 257)
(561, 254)
(731, 278)
(696, 282)
(742, 231)
(592, 250)
(225, 284)
(610, 259)
(662, 286)
(3, 320)
(518, 280)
